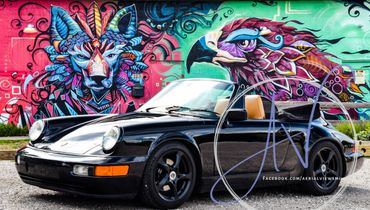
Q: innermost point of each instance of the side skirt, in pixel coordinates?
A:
(245, 181)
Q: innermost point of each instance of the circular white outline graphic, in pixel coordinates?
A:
(253, 87)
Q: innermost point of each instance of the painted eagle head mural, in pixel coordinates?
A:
(254, 50)
(95, 60)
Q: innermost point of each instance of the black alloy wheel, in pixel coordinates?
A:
(170, 176)
(325, 169)
(173, 175)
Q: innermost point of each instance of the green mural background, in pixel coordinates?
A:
(346, 28)
(330, 17)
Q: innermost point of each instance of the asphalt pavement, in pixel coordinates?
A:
(14, 194)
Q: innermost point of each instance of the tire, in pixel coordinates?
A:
(325, 161)
(169, 177)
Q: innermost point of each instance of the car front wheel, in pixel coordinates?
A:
(325, 169)
(169, 177)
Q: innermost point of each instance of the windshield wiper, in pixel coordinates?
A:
(178, 108)
(203, 110)
(171, 109)
(150, 108)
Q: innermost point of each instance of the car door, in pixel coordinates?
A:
(243, 142)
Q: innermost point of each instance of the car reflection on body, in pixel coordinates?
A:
(163, 152)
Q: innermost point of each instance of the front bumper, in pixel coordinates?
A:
(53, 171)
(354, 162)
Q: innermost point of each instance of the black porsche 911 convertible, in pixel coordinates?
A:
(163, 152)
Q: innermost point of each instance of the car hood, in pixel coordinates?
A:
(88, 138)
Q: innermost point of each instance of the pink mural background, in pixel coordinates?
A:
(22, 95)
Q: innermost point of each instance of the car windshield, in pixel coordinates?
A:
(196, 97)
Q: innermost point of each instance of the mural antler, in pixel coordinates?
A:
(62, 26)
(94, 19)
(129, 31)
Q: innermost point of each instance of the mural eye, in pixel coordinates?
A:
(247, 45)
(81, 56)
(244, 43)
(110, 55)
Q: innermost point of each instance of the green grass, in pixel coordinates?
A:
(12, 130)
(362, 129)
(12, 144)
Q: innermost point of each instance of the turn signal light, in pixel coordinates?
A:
(111, 170)
(356, 146)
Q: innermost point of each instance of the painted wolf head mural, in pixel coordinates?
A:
(254, 50)
(94, 59)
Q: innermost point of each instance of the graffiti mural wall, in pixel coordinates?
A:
(85, 57)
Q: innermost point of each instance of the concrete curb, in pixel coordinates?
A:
(7, 155)
(13, 137)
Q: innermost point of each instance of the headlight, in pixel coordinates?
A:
(110, 138)
(36, 130)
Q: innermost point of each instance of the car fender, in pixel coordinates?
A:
(338, 144)
(325, 135)
(182, 138)
(177, 136)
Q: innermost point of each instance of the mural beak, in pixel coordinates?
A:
(206, 50)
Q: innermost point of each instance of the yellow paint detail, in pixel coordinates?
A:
(364, 147)
(97, 19)
(355, 88)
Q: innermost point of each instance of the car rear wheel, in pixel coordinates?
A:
(169, 177)
(325, 169)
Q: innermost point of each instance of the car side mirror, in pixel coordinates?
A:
(236, 115)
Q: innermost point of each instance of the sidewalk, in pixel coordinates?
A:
(13, 137)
